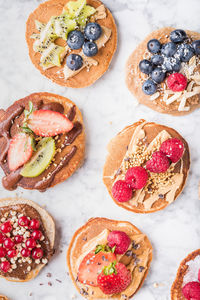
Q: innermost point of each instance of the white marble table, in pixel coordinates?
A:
(107, 107)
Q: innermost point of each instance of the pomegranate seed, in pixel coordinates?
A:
(2, 238)
(34, 224)
(2, 252)
(37, 253)
(30, 243)
(18, 239)
(6, 227)
(5, 266)
(25, 252)
(23, 221)
(8, 243)
(36, 235)
(12, 253)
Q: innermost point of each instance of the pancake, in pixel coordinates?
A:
(151, 135)
(135, 78)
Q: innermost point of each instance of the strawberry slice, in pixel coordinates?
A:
(20, 151)
(49, 123)
(92, 265)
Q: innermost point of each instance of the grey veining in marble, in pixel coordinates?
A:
(107, 107)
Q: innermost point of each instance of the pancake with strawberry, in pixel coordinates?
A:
(187, 282)
(108, 259)
(42, 141)
(71, 42)
(163, 72)
(27, 235)
(146, 167)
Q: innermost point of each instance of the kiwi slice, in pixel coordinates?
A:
(63, 25)
(51, 56)
(41, 159)
(85, 13)
(75, 7)
(39, 25)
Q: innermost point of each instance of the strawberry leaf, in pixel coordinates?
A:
(109, 270)
(104, 248)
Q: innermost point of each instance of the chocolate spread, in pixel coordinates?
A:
(21, 271)
(9, 126)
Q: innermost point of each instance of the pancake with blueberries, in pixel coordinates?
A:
(71, 42)
(163, 72)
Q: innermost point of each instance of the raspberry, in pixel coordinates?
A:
(191, 290)
(177, 82)
(159, 163)
(120, 240)
(173, 148)
(121, 191)
(136, 177)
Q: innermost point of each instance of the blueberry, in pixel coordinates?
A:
(171, 64)
(157, 59)
(145, 66)
(178, 35)
(149, 87)
(93, 31)
(168, 49)
(74, 62)
(90, 48)
(196, 46)
(158, 75)
(185, 52)
(75, 39)
(153, 46)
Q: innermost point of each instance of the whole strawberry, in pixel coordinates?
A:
(159, 163)
(191, 291)
(114, 279)
(173, 148)
(121, 191)
(136, 177)
(120, 240)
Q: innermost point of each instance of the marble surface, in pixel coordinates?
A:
(107, 107)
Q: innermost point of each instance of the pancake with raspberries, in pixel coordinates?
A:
(42, 141)
(108, 259)
(187, 283)
(27, 235)
(71, 42)
(146, 167)
(163, 72)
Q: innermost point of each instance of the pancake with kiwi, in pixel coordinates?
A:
(54, 157)
(137, 256)
(14, 211)
(56, 18)
(133, 147)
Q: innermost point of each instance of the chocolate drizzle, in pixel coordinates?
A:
(12, 179)
(43, 184)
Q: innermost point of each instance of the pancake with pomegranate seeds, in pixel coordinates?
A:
(134, 146)
(93, 67)
(26, 268)
(164, 99)
(137, 257)
(181, 280)
(67, 149)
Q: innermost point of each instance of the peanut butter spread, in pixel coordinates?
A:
(158, 184)
(21, 266)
